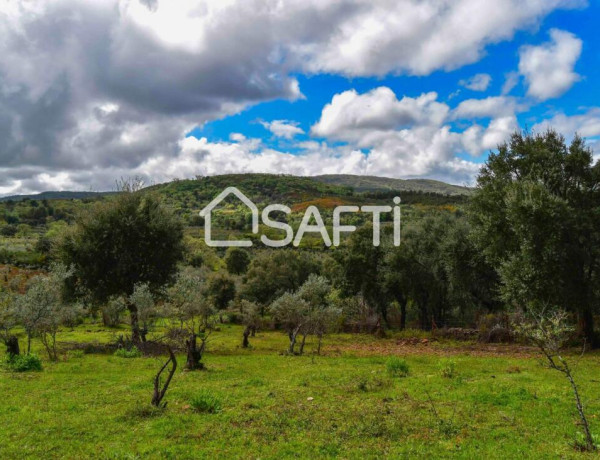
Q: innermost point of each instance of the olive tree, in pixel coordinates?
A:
(43, 308)
(142, 299)
(306, 311)
(188, 306)
(291, 313)
(121, 242)
(251, 319)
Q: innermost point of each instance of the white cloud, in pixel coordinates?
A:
(353, 117)
(548, 68)
(112, 86)
(478, 82)
(283, 128)
(586, 124)
(493, 106)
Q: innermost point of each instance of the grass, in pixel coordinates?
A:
(263, 404)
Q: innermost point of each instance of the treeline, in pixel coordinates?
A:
(528, 241)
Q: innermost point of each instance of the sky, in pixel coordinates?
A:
(94, 91)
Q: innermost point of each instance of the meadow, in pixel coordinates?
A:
(458, 399)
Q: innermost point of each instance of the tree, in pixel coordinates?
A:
(316, 292)
(8, 320)
(221, 290)
(439, 270)
(120, 243)
(143, 301)
(188, 305)
(536, 216)
(550, 332)
(44, 308)
(250, 318)
(274, 272)
(237, 261)
(291, 312)
(361, 264)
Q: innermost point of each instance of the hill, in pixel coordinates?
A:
(374, 183)
(63, 195)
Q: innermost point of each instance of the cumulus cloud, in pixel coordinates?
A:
(93, 90)
(549, 67)
(479, 82)
(283, 128)
(493, 106)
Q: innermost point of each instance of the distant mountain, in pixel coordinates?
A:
(269, 187)
(374, 183)
(65, 195)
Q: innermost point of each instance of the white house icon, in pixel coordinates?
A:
(207, 213)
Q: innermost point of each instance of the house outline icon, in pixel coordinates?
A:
(207, 213)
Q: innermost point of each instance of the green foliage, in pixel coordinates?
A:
(133, 352)
(206, 402)
(237, 261)
(122, 242)
(397, 367)
(536, 216)
(221, 290)
(22, 363)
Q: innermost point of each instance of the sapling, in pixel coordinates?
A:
(550, 332)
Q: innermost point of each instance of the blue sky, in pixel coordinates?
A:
(94, 91)
(499, 60)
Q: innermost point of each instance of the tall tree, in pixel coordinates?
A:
(536, 216)
(120, 243)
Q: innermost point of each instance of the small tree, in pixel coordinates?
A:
(316, 291)
(550, 332)
(237, 261)
(251, 319)
(291, 312)
(143, 300)
(112, 311)
(192, 310)
(44, 308)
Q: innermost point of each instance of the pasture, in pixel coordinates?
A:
(459, 399)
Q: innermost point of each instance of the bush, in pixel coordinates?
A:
(133, 352)
(23, 363)
(206, 402)
(448, 369)
(397, 367)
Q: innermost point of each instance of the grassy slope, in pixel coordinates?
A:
(373, 183)
(93, 405)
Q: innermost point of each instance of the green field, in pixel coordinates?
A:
(497, 402)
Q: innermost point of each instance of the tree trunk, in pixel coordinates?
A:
(586, 320)
(293, 335)
(302, 344)
(194, 356)
(12, 346)
(319, 344)
(159, 393)
(135, 325)
(403, 314)
(246, 343)
(253, 331)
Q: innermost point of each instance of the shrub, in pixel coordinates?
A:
(23, 363)
(133, 352)
(397, 367)
(206, 402)
(448, 369)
